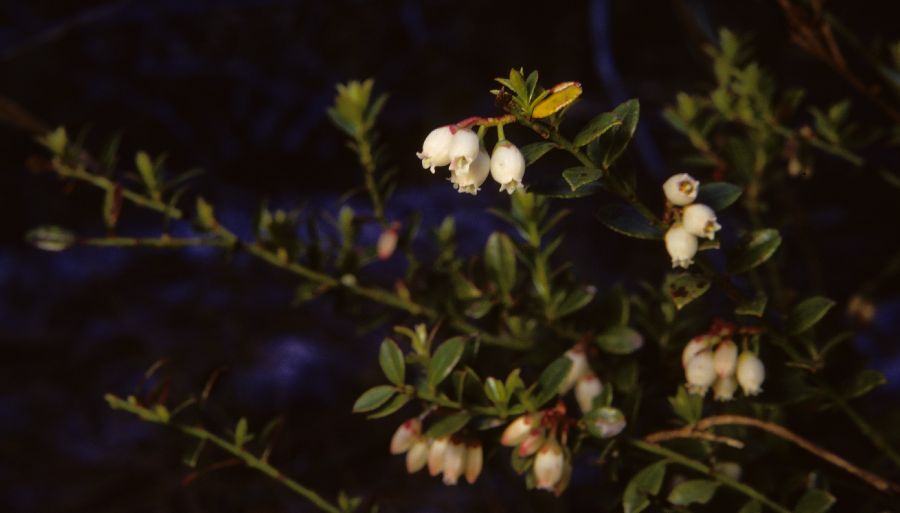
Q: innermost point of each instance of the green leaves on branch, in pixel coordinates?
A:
(445, 358)
(532, 152)
(500, 258)
(645, 483)
(807, 313)
(597, 127)
(577, 177)
(685, 287)
(619, 340)
(718, 195)
(863, 383)
(605, 150)
(390, 357)
(627, 220)
(756, 248)
(550, 380)
(373, 398)
(354, 112)
(687, 406)
(448, 425)
(694, 491)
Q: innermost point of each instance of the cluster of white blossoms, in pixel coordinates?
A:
(695, 219)
(449, 455)
(469, 163)
(711, 360)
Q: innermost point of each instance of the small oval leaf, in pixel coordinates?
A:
(597, 127)
(718, 195)
(373, 398)
(448, 425)
(619, 340)
(445, 359)
(807, 313)
(625, 219)
(693, 491)
(646, 482)
(390, 357)
(532, 152)
(500, 258)
(684, 288)
(576, 177)
(757, 247)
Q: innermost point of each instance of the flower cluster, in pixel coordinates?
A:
(711, 360)
(463, 151)
(692, 220)
(450, 455)
(534, 434)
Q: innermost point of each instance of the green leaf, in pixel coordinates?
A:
(756, 248)
(814, 501)
(755, 306)
(751, 507)
(625, 219)
(55, 141)
(552, 378)
(693, 491)
(147, 171)
(577, 299)
(532, 152)
(687, 406)
(718, 195)
(373, 398)
(500, 257)
(604, 422)
(395, 404)
(862, 383)
(495, 390)
(553, 187)
(577, 177)
(240, 432)
(646, 482)
(597, 127)
(807, 313)
(448, 425)
(684, 288)
(619, 340)
(610, 147)
(390, 357)
(445, 359)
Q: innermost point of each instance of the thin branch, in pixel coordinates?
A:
(235, 450)
(152, 242)
(692, 432)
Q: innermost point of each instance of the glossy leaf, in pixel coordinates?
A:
(577, 177)
(240, 432)
(445, 359)
(863, 382)
(756, 248)
(698, 491)
(684, 288)
(625, 219)
(577, 299)
(597, 127)
(373, 398)
(495, 390)
(532, 152)
(608, 148)
(390, 357)
(448, 425)
(500, 258)
(646, 482)
(807, 313)
(814, 501)
(755, 306)
(392, 406)
(552, 377)
(619, 340)
(554, 187)
(560, 96)
(718, 195)
(687, 406)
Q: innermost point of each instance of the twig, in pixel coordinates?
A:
(692, 432)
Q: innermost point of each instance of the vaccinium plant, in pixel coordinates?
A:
(586, 376)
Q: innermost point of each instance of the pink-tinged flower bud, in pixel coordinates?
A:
(471, 181)
(694, 347)
(417, 456)
(548, 465)
(436, 455)
(464, 149)
(507, 166)
(681, 245)
(681, 189)
(436, 148)
(726, 358)
(700, 373)
(700, 220)
(724, 388)
(750, 373)
(579, 368)
(405, 435)
(387, 242)
(532, 443)
(587, 389)
(474, 461)
(518, 430)
(454, 462)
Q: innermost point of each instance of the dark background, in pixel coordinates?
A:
(240, 89)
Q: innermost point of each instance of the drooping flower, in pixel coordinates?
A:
(681, 245)
(695, 346)
(474, 461)
(587, 389)
(700, 373)
(578, 369)
(681, 189)
(436, 148)
(531, 443)
(750, 373)
(507, 166)
(464, 150)
(726, 358)
(436, 455)
(548, 465)
(471, 181)
(518, 430)
(724, 388)
(417, 456)
(700, 220)
(406, 435)
(454, 462)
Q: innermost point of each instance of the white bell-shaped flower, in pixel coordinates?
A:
(548, 465)
(700, 220)
(750, 373)
(518, 430)
(587, 389)
(417, 456)
(474, 461)
(454, 462)
(471, 181)
(681, 245)
(436, 148)
(436, 455)
(694, 347)
(726, 358)
(700, 373)
(724, 388)
(464, 150)
(578, 369)
(405, 435)
(681, 189)
(507, 166)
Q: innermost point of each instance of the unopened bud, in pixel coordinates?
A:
(436, 455)
(579, 368)
(532, 443)
(586, 390)
(518, 430)
(405, 435)
(417, 456)
(474, 461)
(548, 465)
(454, 462)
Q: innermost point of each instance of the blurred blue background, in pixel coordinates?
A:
(240, 88)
